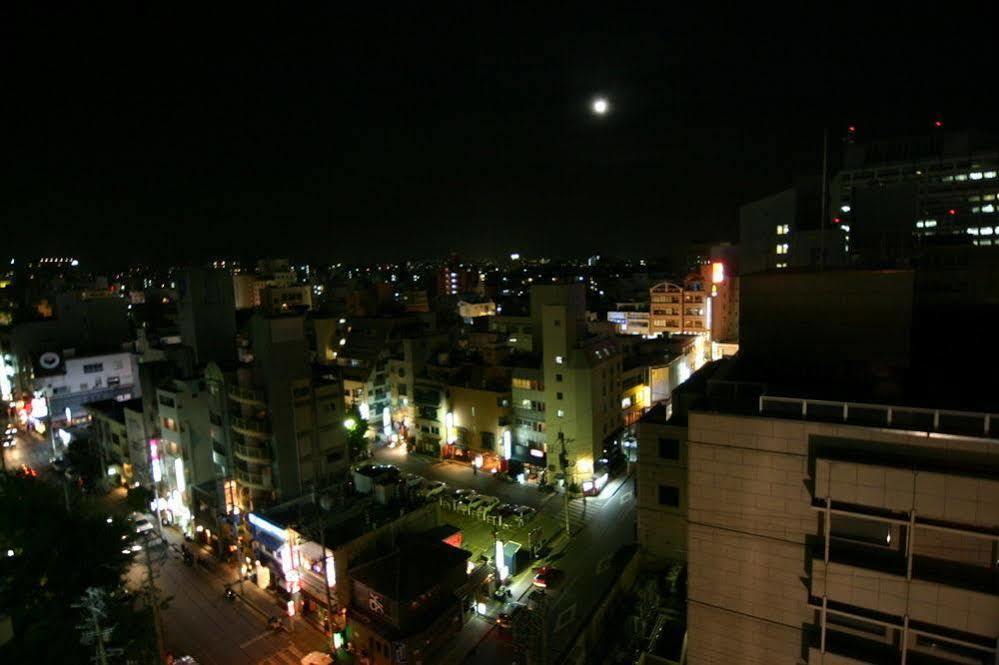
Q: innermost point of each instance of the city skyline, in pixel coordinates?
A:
(416, 137)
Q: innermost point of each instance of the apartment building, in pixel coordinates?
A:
(530, 438)
(285, 415)
(581, 379)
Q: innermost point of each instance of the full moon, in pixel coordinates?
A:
(600, 106)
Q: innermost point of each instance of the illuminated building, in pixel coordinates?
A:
(285, 542)
(581, 379)
(68, 382)
(455, 279)
(676, 308)
(898, 195)
(630, 318)
(470, 310)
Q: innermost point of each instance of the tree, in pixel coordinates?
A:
(357, 429)
(57, 557)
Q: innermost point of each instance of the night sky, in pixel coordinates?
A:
(136, 136)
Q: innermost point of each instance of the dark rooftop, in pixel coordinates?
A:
(411, 570)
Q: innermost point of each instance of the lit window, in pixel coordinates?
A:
(846, 228)
(990, 174)
(960, 177)
(985, 231)
(560, 413)
(782, 265)
(920, 224)
(972, 232)
(845, 208)
(947, 178)
(977, 175)
(988, 208)
(975, 209)
(559, 360)
(930, 223)
(782, 248)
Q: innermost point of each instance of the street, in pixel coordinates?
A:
(200, 622)
(600, 527)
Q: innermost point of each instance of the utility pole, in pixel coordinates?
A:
(326, 575)
(563, 458)
(92, 632)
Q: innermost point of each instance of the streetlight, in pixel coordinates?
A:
(350, 424)
(600, 106)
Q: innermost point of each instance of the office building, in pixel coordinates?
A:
(785, 231)
(899, 195)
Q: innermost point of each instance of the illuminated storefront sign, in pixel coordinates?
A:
(267, 527)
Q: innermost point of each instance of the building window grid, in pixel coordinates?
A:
(904, 628)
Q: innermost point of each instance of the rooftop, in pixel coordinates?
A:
(920, 403)
(114, 409)
(411, 570)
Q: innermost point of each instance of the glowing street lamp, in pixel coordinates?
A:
(350, 424)
(600, 106)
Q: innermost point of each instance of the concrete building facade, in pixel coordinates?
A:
(840, 542)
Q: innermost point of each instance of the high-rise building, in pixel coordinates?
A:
(285, 415)
(894, 196)
(833, 492)
(207, 314)
(581, 380)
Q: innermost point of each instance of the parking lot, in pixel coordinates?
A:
(478, 527)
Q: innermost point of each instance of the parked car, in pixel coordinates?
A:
(504, 510)
(547, 577)
(466, 500)
(484, 503)
(505, 618)
(523, 514)
(433, 488)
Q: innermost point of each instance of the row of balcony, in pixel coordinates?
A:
(250, 427)
(252, 454)
(247, 395)
(252, 480)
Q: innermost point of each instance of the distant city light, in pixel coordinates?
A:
(600, 106)
(515, 256)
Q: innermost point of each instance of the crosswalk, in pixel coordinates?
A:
(290, 655)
